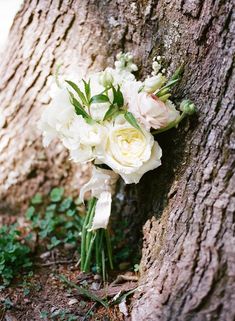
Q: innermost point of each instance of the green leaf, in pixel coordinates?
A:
(80, 110)
(178, 73)
(78, 91)
(71, 212)
(37, 199)
(87, 87)
(118, 97)
(54, 242)
(113, 109)
(30, 212)
(56, 194)
(65, 205)
(98, 99)
(84, 292)
(131, 120)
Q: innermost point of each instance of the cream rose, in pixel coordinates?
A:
(151, 112)
(129, 151)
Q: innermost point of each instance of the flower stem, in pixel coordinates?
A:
(88, 254)
(97, 251)
(109, 248)
(103, 265)
(84, 232)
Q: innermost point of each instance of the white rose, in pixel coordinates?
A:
(151, 84)
(128, 151)
(151, 112)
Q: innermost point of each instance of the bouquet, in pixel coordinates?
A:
(110, 119)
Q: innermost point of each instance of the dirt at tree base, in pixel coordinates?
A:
(44, 295)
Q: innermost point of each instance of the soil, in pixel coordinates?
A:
(44, 294)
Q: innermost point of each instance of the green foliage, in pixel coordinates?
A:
(56, 219)
(99, 99)
(131, 120)
(60, 315)
(14, 255)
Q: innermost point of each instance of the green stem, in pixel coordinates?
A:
(171, 125)
(89, 224)
(88, 254)
(109, 248)
(84, 232)
(97, 252)
(103, 265)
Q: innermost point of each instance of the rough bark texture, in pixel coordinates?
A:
(187, 268)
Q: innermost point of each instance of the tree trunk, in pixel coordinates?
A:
(187, 267)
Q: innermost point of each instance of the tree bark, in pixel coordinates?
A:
(187, 267)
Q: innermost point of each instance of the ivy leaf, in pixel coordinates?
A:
(131, 120)
(78, 91)
(98, 99)
(87, 87)
(118, 97)
(113, 109)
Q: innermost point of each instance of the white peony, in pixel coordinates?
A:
(129, 151)
(151, 112)
(84, 138)
(56, 119)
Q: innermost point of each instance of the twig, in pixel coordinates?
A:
(120, 278)
(56, 262)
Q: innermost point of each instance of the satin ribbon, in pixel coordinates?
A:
(102, 186)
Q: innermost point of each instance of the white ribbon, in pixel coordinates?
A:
(102, 186)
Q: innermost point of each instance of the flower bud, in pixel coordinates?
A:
(106, 78)
(187, 107)
(153, 83)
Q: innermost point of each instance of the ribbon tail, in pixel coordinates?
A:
(102, 211)
(87, 187)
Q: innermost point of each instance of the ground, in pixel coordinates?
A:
(39, 293)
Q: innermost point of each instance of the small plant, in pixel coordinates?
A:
(55, 218)
(60, 315)
(14, 254)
